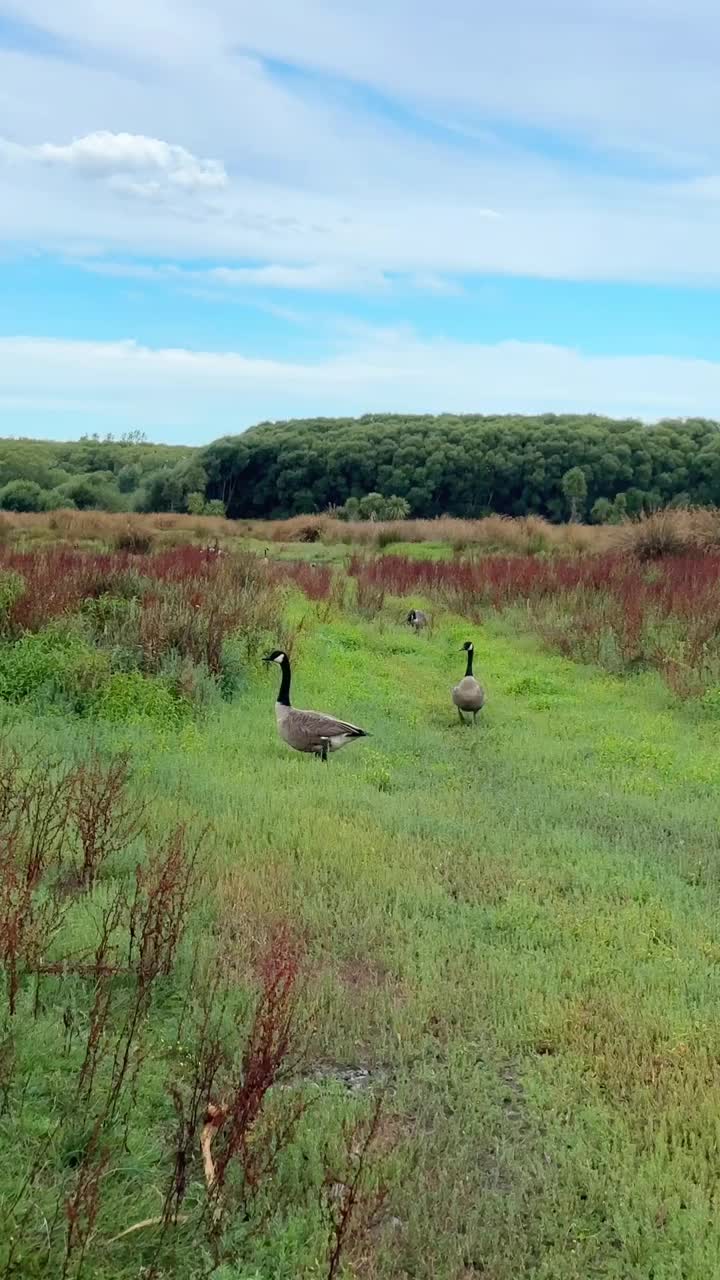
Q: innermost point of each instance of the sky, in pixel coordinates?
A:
(218, 212)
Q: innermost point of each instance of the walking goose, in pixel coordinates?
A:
(417, 619)
(468, 695)
(308, 730)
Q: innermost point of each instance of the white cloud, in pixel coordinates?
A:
(128, 160)
(202, 394)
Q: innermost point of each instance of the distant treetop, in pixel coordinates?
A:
(561, 466)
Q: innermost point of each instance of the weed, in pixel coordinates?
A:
(81, 1208)
(165, 890)
(105, 817)
(267, 1054)
(34, 811)
(348, 1202)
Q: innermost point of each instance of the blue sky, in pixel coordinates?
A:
(216, 213)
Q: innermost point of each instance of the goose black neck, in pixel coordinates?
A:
(284, 694)
(468, 669)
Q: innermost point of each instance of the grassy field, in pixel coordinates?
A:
(507, 934)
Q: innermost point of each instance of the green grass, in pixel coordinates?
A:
(513, 927)
(337, 553)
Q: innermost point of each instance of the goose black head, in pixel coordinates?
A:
(277, 655)
(467, 647)
(411, 616)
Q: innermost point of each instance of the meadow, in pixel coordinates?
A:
(443, 1007)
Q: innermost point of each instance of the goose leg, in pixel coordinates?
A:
(460, 715)
(324, 749)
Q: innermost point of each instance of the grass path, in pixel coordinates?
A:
(516, 926)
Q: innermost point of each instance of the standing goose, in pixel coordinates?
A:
(468, 695)
(417, 619)
(308, 730)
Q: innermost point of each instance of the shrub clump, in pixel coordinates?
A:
(127, 697)
(56, 667)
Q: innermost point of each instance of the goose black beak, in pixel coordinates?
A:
(267, 658)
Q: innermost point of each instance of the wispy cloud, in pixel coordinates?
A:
(210, 393)
(347, 163)
(317, 277)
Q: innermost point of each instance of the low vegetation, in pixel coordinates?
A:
(668, 532)
(444, 1007)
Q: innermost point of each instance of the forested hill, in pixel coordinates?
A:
(554, 465)
(468, 466)
(110, 475)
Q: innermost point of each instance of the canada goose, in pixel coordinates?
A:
(468, 695)
(308, 730)
(417, 619)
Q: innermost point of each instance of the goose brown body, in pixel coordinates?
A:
(311, 731)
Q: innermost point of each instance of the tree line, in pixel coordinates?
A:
(382, 466)
(128, 474)
(558, 466)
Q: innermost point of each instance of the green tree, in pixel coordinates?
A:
(601, 512)
(215, 507)
(574, 487)
(372, 507)
(396, 508)
(167, 489)
(129, 477)
(94, 489)
(195, 503)
(23, 495)
(619, 509)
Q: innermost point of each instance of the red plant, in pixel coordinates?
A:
(105, 966)
(82, 1207)
(314, 580)
(347, 1200)
(612, 595)
(56, 582)
(165, 890)
(34, 805)
(266, 1058)
(105, 817)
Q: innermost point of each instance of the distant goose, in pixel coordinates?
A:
(308, 730)
(468, 695)
(417, 619)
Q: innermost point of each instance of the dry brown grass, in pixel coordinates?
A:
(678, 532)
(112, 530)
(524, 536)
(670, 532)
